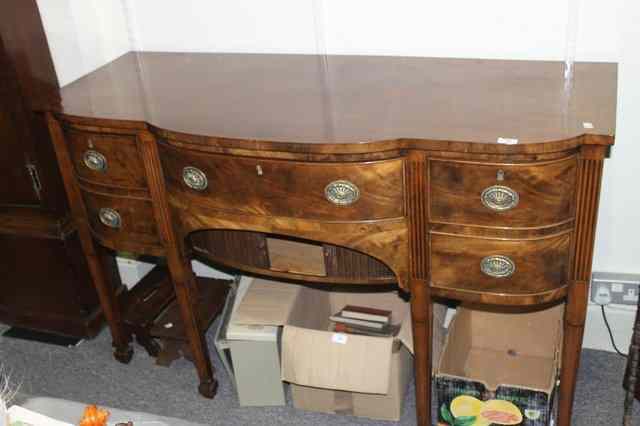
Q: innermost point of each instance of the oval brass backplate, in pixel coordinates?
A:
(194, 178)
(499, 198)
(110, 217)
(497, 266)
(342, 192)
(95, 161)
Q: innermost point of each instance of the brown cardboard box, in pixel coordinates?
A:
(335, 372)
(505, 363)
(388, 406)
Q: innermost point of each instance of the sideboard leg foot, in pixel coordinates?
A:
(208, 389)
(570, 363)
(422, 318)
(574, 320)
(123, 354)
(187, 297)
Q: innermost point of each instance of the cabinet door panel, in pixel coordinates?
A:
(15, 184)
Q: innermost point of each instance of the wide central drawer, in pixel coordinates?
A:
(502, 195)
(317, 191)
(499, 265)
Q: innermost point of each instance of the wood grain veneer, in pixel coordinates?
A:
(135, 214)
(287, 188)
(540, 264)
(377, 103)
(545, 190)
(123, 163)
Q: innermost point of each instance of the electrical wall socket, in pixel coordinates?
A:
(615, 288)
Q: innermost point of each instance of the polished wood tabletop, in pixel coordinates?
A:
(353, 103)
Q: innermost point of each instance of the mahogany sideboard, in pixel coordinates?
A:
(474, 180)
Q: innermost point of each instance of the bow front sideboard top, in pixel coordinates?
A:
(474, 180)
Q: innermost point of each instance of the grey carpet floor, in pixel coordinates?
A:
(89, 374)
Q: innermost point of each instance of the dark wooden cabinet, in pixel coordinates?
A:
(44, 280)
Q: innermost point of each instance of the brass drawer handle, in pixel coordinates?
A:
(497, 266)
(110, 217)
(194, 178)
(95, 161)
(342, 192)
(499, 198)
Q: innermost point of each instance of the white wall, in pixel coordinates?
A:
(618, 238)
(454, 28)
(85, 34)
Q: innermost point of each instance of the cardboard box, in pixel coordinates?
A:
(386, 406)
(334, 372)
(500, 365)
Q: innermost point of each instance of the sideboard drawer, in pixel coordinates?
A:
(121, 220)
(500, 266)
(106, 159)
(316, 191)
(504, 195)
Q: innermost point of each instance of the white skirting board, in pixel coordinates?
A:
(620, 317)
(132, 271)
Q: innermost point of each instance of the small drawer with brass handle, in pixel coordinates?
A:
(518, 195)
(106, 159)
(122, 223)
(508, 266)
(334, 191)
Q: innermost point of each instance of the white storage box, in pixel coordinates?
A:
(252, 354)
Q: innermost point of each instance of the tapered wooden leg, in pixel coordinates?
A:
(570, 363)
(106, 292)
(574, 320)
(588, 192)
(187, 297)
(178, 264)
(422, 316)
(123, 352)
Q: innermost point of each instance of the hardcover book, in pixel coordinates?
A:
(372, 324)
(366, 313)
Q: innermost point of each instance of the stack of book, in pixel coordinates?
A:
(364, 320)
